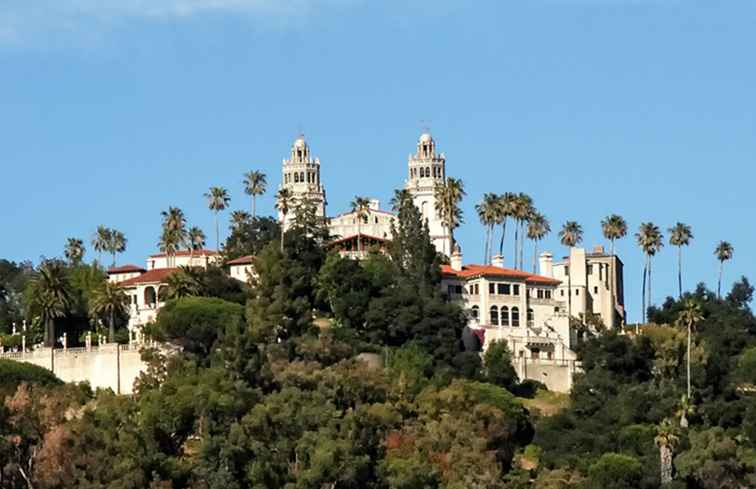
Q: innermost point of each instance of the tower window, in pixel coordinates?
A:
(427, 171)
(296, 178)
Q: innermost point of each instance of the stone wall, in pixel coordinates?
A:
(556, 374)
(109, 366)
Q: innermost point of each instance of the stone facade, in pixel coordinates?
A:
(301, 176)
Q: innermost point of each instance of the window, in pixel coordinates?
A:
(531, 317)
(475, 313)
(473, 289)
(535, 353)
(451, 289)
(494, 315)
(515, 317)
(549, 355)
(539, 294)
(503, 289)
(562, 291)
(595, 290)
(296, 178)
(577, 292)
(590, 269)
(515, 289)
(491, 289)
(504, 316)
(458, 289)
(427, 171)
(547, 294)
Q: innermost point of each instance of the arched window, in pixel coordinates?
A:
(515, 317)
(475, 313)
(531, 317)
(301, 177)
(427, 171)
(150, 297)
(494, 315)
(504, 316)
(296, 178)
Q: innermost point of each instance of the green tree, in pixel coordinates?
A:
(217, 201)
(666, 440)
(100, 240)
(116, 243)
(174, 234)
(74, 250)
(689, 317)
(195, 241)
(284, 201)
(255, 183)
(650, 241)
(680, 235)
(504, 210)
(615, 471)
(538, 228)
(613, 227)
(723, 252)
(109, 301)
(570, 236)
(448, 195)
(497, 362)
(51, 292)
(488, 212)
(522, 209)
(185, 282)
(361, 209)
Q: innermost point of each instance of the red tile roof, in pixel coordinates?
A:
(472, 271)
(242, 260)
(189, 253)
(155, 276)
(125, 269)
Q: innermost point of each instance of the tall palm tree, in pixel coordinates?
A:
(284, 201)
(239, 218)
(174, 235)
(100, 241)
(680, 235)
(109, 301)
(361, 208)
(488, 212)
(613, 227)
(723, 253)
(116, 243)
(255, 183)
(538, 228)
(51, 296)
(401, 197)
(448, 196)
(570, 236)
(74, 250)
(666, 440)
(217, 201)
(689, 317)
(185, 282)
(195, 240)
(505, 210)
(650, 240)
(522, 209)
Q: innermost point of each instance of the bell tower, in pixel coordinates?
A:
(301, 175)
(427, 169)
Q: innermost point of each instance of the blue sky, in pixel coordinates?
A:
(112, 111)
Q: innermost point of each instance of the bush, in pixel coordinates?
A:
(528, 388)
(615, 471)
(498, 365)
(13, 373)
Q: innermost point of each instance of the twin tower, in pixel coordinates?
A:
(426, 169)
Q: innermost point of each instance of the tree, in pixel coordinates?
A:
(116, 243)
(361, 209)
(522, 209)
(400, 198)
(184, 282)
(613, 227)
(195, 241)
(255, 183)
(217, 201)
(240, 218)
(52, 296)
(488, 210)
(284, 200)
(100, 240)
(538, 228)
(497, 362)
(650, 240)
(615, 471)
(74, 250)
(570, 236)
(174, 234)
(665, 440)
(448, 196)
(109, 301)
(680, 235)
(505, 209)
(689, 317)
(723, 252)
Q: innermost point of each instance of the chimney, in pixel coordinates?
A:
(498, 261)
(599, 249)
(456, 259)
(375, 204)
(546, 264)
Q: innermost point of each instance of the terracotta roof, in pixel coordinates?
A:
(471, 271)
(188, 253)
(125, 269)
(363, 235)
(155, 276)
(242, 260)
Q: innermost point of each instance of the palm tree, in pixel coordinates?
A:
(723, 253)
(116, 243)
(184, 282)
(505, 210)
(51, 296)
(174, 234)
(448, 196)
(488, 212)
(570, 236)
(100, 240)
(239, 218)
(283, 203)
(666, 440)
(109, 301)
(255, 183)
(217, 201)
(195, 241)
(690, 316)
(522, 209)
(538, 228)
(361, 209)
(74, 250)
(613, 227)
(401, 197)
(680, 235)
(650, 240)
